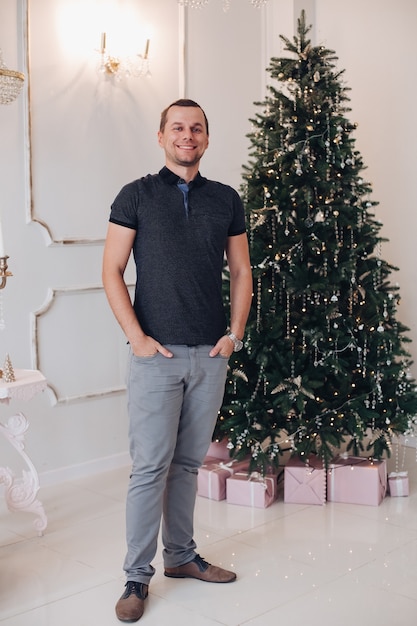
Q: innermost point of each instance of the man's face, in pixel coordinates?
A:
(184, 138)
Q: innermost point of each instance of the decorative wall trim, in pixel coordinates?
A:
(182, 51)
(27, 113)
(31, 215)
(56, 396)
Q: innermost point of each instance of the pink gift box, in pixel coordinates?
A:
(398, 483)
(219, 450)
(305, 482)
(357, 480)
(212, 475)
(252, 489)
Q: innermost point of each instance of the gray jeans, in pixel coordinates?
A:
(173, 406)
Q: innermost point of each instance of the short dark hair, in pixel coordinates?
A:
(182, 102)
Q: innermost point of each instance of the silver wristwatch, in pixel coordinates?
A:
(237, 343)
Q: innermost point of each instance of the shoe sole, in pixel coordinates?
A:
(222, 582)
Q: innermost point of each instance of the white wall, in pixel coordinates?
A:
(89, 137)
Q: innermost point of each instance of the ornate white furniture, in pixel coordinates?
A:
(20, 493)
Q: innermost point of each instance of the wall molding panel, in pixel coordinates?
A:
(77, 346)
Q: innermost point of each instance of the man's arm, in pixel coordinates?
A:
(237, 253)
(117, 249)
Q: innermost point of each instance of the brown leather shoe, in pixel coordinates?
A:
(131, 604)
(200, 569)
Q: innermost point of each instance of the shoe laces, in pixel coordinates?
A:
(140, 590)
(201, 563)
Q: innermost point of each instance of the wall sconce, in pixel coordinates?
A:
(119, 67)
(4, 274)
(11, 83)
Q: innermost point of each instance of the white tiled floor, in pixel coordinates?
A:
(338, 564)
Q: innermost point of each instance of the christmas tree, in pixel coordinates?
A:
(324, 362)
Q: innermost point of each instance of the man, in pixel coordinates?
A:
(179, 226)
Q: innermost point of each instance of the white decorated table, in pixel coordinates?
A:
(21, 492)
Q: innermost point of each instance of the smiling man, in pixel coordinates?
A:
(184, 137)
(179, 226)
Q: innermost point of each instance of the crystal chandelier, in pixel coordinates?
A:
(198, 4)
(11, 83)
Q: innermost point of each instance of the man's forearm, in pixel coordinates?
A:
(120, 303)
(240, 302)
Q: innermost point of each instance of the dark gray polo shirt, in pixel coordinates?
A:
(179, 254)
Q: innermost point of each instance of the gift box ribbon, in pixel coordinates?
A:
(256, 478)
(216, 467)
(401, 478)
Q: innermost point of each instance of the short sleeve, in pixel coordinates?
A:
(124, 210)
(238, 225)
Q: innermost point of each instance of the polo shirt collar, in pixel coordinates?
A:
(172, 179)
